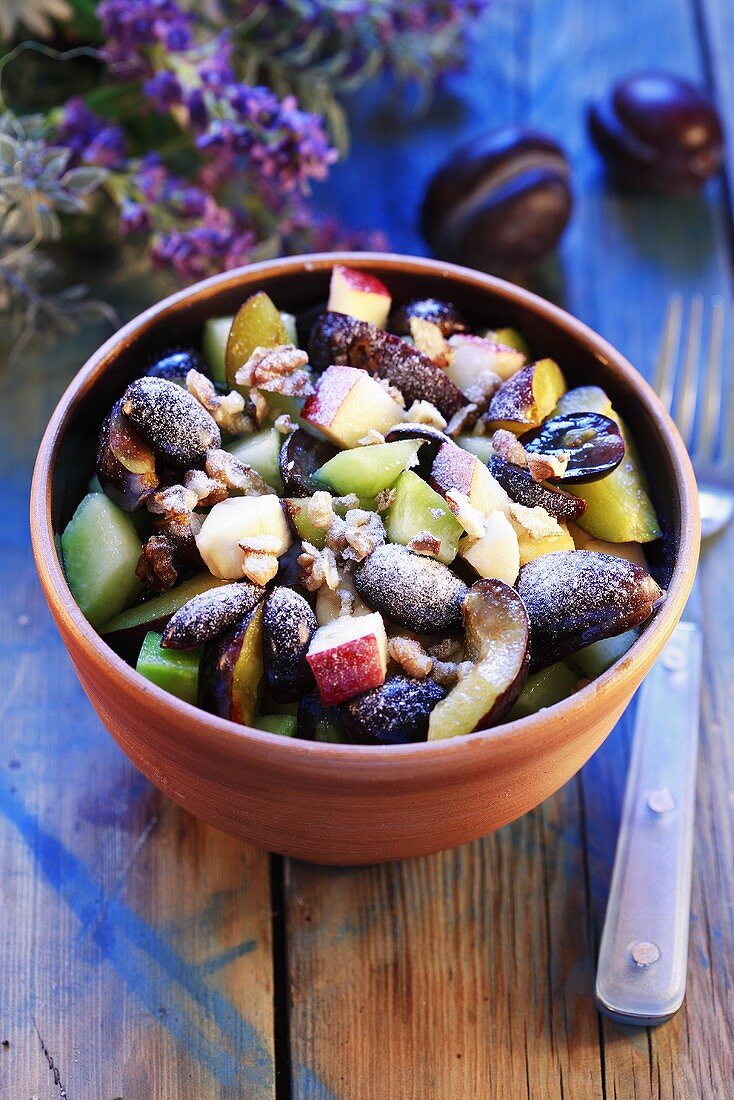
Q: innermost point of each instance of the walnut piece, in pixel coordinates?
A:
(509, 447)
(175, 502)
(155, 566)
(423, 412)
(429, 340)
(277, 370)
(320, 510)
(470, 518)
(257, 406)
(423, 542)
(384, 499)
(364, 532)
(319, 567)
(373, 437)
(482, 389)
(537, 522)
(545, 466)
(208, 490)
(259, 566)
(284, 424)
(411, 656)
(465, 417)
(228, 410)
(235, 476)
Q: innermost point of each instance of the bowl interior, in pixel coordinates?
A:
(299, 286)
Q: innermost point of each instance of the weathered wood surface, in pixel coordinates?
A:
(139, 955)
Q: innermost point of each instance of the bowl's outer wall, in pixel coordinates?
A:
(346, 804)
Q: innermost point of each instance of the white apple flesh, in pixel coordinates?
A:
(455, 468)
(347, 403)
(236, 520)
(358, 295)
(497, 553)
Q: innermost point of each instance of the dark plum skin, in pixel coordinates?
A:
(343, 340)
(317, 722)
(658, 133)
(592, 441)
(126, 465)
(176, 364)
(518, 483)
(209, 614)
(443, 314)
(396, 713)
(431, 440)
(300, 456)
(500, 202)
(288, 626)
(416, 592)
(577, 597)
(173, 423)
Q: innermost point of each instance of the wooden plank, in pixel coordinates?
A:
(471, 973)
(136, 949)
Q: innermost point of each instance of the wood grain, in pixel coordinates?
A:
(136, 950)
(475, 969)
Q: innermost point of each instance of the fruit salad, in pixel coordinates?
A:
(370, 524)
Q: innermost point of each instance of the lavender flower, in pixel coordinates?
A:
(131, 27)
(90, 139)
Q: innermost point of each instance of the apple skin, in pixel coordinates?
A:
(455, 468)
(347, 403)
(355, 662)
(359, 295)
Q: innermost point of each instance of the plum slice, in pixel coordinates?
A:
(301, 456)
(593, 443)
(257, 323)
(416, 592)
(125, 463)
(232, 670)
(210, 613)
(443, 314)
(171, 421)
(396, 713)
(175, 364)
(497, 643)
(519, 484)
(527, 397)
(288, 626)
(342, 340)
(577, 597)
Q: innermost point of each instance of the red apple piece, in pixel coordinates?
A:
(359, 295)
(347, 403)
(455, 468)
(348, 656)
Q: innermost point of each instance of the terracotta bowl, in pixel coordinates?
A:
(349, 804)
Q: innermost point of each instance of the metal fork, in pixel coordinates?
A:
(641, 974)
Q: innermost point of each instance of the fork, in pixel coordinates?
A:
(641, 974)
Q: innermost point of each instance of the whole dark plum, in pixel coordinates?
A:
(500, 202)
(658, 133)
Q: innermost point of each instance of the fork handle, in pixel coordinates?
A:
(641, 975)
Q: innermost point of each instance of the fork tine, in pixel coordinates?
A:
(664, 381)
(684, 407)
(712, 395)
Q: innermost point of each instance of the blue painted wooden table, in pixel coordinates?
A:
(146, 957)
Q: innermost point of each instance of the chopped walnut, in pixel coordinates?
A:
(429, 340)
(470, 518)
(509, 447)
(257, 406)
(482, 389)
(226, 409)
(284, 424)
(423, 542)
(445, 673)
(320, 510)
(411, 656)
(319, 567)
(155, 566)
(259, 566)
(336, 536)
(208, 490)
(349, 500)
(545, 466)
(236, 476)
(423, 412)
(466, 417)
(364, 532)
(384, 499)
(536, 521)
(392, 391)
(277, 370)
(372, 437)
(448, 649)
(175, 502)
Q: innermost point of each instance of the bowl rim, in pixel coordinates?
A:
(366, 762)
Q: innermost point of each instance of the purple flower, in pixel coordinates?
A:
(163, 89)
(130, 27)
(133, 217)
(91, 139)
